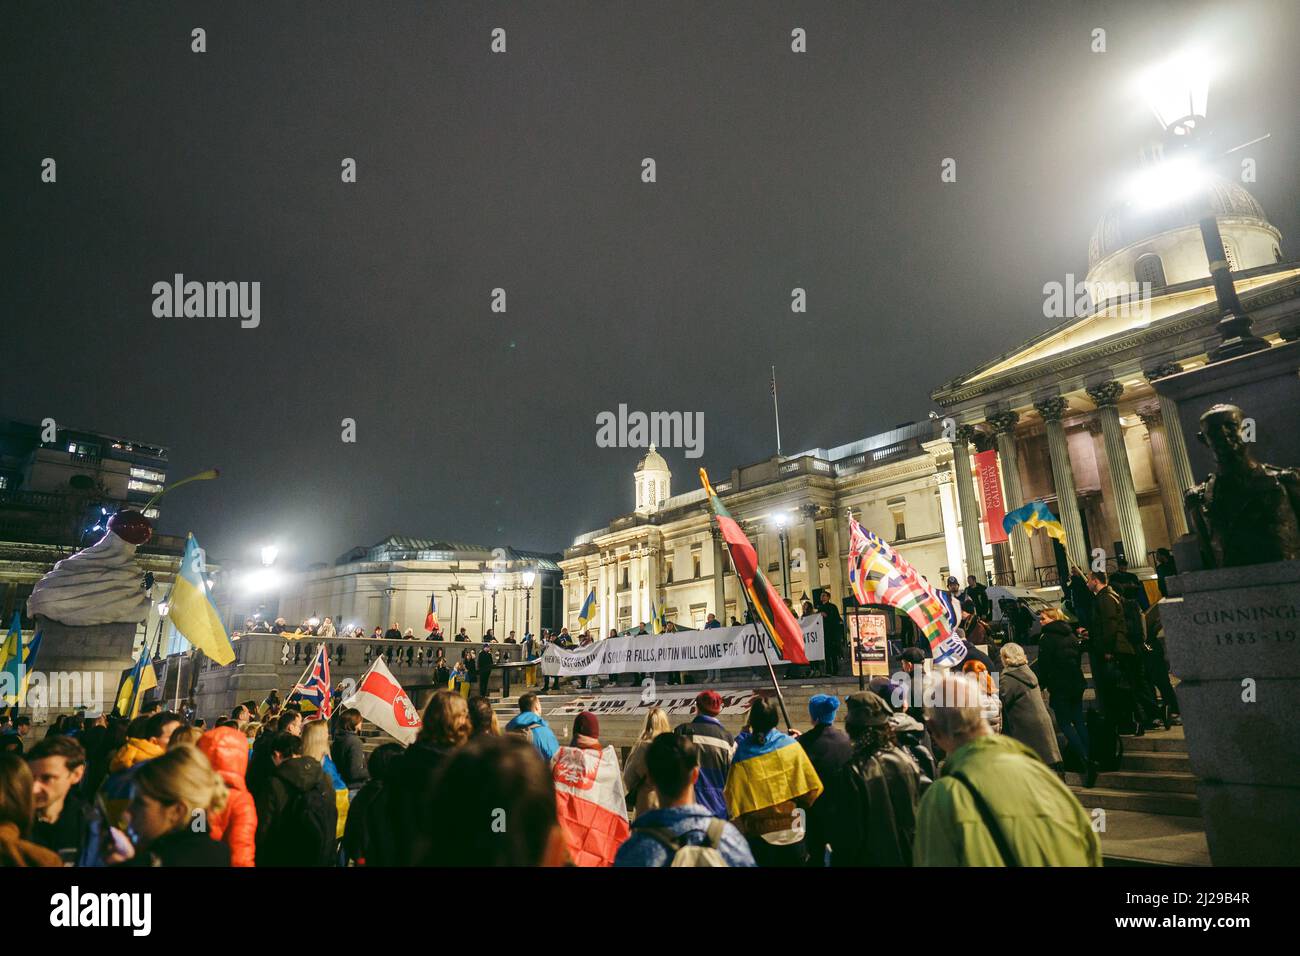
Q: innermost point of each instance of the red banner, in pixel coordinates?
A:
(986, 463)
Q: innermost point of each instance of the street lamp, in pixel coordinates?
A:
(529, 576)
(269, 553)
(494, 582)
(780, 518)
(1177, 92)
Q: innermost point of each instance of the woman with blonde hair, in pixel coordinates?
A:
(316, 744)
(184, 737)
(167, 818)
(636, 776)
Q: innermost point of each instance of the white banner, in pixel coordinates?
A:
(714, 648)
(636, 704)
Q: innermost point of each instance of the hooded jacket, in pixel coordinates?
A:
(116, 788)
(136, 750)
(236, 826)
(538, 731)
(1041, 819)
(1025, 716)
(689, 825)
(1058, 665)
(870, 809)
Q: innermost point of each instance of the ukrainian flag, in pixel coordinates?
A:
(1033, 516)
(11, 662)
(141, 679)
(656, 622)
(588, 610)
(768, 774)
(192, 612)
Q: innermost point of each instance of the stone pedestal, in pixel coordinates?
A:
(75, 660)
(1233, 638)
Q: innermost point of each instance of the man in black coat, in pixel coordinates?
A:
(347, 751)
(833, 630)
(485, 664)
(829, 749)
(297, 817)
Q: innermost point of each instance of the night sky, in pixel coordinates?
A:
(478, 170)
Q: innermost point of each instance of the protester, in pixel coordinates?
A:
(591, 802)
(236, 824)
(530, 723)
(172, 798)
(640, 792)
(716, 749)
(316, 744)
(261, 765)
(64, 822)
(996, 803)
(832, 632)
(1155, 665)
(17, 813)
(1060, 672)
(829, 748)
(356, 839)
(184, 737)
(483, 718)
(1024, 715)
(484, 665)
(991, 704)
(871, 802)
(297, 816)
(1166, 568)
(348, 752)
(506, 775)
(680, 832)
(146, 739)
(770, 779)
(395, 817)
(1116, 669)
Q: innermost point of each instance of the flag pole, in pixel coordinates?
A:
(776, 410)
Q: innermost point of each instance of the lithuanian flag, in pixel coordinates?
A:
(769, 774)
(192, 612)
(771, 610)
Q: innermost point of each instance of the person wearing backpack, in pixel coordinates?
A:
(297, 817)
(681, 832)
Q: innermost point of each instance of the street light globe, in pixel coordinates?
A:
(1167, 182)
(313, 621)
(1178, 91)
(163, 608)
(529, 577)
(269, 553)
(780, 519)
(493, 581)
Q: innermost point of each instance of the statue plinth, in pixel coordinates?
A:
(90, 655)
(1233, 640)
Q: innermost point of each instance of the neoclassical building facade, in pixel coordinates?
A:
(1072, 414)
(665, 554)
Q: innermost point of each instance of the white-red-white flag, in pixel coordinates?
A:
(382, 701)
(591, 803)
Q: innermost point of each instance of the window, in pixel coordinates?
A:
(625, 584)
(669, 578)
(821, 543)
(134, 485)
(147, 474)
(1149, 268)
(4, 482)
(695, 564)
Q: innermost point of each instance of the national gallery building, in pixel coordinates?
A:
(1068, 418)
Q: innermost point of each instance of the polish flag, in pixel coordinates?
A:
(382, 701)
(591, 802)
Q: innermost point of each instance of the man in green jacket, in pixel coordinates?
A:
(995, 803)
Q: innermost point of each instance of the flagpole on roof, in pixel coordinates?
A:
(776, 410)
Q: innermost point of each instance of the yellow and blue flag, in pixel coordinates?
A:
(192, 611)
(588, 610)
(768, 774)
(11, 662)
(140, 679)
(1033, 516)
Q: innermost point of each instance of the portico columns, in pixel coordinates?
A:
(810, 551)
(968, 505)
(1067, 499)
(719, 577)
(1171, 497)
(1175, 441)
(1121, 476)
(1022, 559)
(634, 578)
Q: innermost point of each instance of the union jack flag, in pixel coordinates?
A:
(313, 688)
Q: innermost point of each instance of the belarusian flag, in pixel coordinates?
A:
(382, 701)
(771, 610)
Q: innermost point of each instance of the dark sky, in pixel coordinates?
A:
(522, 171)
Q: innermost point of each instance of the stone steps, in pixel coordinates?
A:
(1147, 781)
(1139, 801)
(1154, 777)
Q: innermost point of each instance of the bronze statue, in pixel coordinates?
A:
(1246, 512)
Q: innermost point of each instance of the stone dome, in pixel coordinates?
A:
(652, 461)
(1122, 225)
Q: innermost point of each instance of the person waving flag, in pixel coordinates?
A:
(313, 688)
(588, 610)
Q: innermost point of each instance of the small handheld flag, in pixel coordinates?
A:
(313, 688)
(1035, 515)
(431, 619)
(382, 701)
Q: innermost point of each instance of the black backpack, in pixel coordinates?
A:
(307, 828)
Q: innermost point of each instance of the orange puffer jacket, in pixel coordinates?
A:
(236, 826)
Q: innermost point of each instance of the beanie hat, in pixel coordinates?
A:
(587, 725)
(822, 708)
(709, 702)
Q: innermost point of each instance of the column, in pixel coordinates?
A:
(564, 618)
(1171, 495)
(951, 536)
(1175, 441)
(1106, 395)
(1067, 498)
(611, 597)
(967, 504)
(634, 579)
(810, 551)
(719, 577)
(651, 563)
(836, 574)
(1022, 558)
